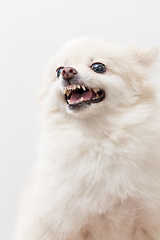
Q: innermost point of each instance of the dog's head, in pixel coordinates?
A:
(90, 77)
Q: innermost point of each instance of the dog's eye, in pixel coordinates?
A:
(58, 71)
(98, 67)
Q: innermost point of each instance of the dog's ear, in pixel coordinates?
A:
(146, 57)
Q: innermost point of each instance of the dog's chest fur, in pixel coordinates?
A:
(88, 182)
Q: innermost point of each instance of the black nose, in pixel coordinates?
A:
(68, 72)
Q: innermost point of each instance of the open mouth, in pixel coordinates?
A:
(78, 94)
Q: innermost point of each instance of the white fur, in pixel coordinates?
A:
(97, 174)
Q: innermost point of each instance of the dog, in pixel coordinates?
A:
(97, 173)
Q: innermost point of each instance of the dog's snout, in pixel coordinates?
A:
(68, 72)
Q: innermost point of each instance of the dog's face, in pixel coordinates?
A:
(90, 77)
(78, 93)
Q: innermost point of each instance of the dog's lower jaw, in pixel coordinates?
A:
(77, 107)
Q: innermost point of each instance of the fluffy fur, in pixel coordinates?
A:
(97, 173)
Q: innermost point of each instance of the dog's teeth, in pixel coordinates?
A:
(65, 91)
(97, 96)
(70, 87)
(83, 87)
(68, 93)
(95, 90)
(78, 86)
(81, 100)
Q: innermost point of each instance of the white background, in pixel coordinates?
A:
(30, 33)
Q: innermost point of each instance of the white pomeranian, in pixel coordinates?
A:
(97, 174)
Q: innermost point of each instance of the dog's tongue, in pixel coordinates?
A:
(88, 95)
